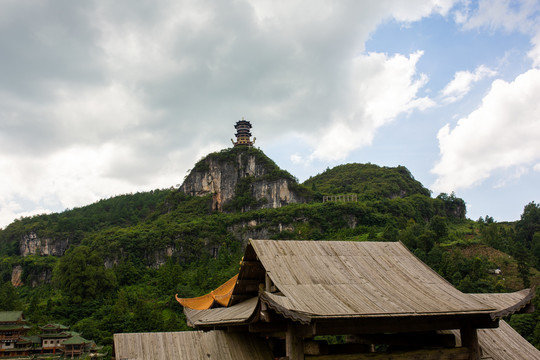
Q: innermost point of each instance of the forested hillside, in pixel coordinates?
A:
(114, 266)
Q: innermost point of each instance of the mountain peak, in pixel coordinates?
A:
(240, 179)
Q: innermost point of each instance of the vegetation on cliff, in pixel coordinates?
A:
(130, 254)
(243, 178)
(368, 180)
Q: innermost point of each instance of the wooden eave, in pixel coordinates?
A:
(236, 315)
(508, 303)
(371, 324)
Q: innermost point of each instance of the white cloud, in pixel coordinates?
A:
(462, 83)
(409, 11)
(509, 15)
(502, 134)
(381, 87)
(296, 159)
(103, 98)
(534, 53)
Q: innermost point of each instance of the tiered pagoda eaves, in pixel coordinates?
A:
(243, 134)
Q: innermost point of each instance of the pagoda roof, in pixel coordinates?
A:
(345, 280)
(62, 334)
(24, 340)
(4, 327)
(11, 316)
(35, 339)
(52, 326)
(243, 122)
(75, 340)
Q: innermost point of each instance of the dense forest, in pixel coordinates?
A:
(115, 266)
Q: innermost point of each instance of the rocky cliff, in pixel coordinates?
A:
(32, 244)
(242, 179)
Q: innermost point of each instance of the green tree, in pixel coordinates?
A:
(522, 258)
(8, 297)
(535, 247)
(528, 225)
(82, 276)
(439, 226)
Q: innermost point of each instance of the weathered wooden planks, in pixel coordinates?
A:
(234, 315)
(343, 278)
(190, 345)
(504, 343)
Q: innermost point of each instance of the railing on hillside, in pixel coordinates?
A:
(341, 198)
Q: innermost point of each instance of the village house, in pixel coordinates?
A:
(54, 340)
(52, 336)
(293, 299)
(13, 328)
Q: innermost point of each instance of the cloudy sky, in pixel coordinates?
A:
(99, 98)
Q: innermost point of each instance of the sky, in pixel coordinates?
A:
(101, 98)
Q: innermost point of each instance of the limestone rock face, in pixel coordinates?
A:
(241, 173)
(32, 244)
(16, 276)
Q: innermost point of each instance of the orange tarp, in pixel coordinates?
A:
(221, 295)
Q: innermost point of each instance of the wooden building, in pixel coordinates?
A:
(13, 329)
(77, 346)
(376, 296)
(52, 336)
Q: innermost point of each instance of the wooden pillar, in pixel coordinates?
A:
(294, 343)
(469, 339)
(267, 283)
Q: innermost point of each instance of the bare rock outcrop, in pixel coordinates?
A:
(32, 244)
(16, 276)
(242, 179)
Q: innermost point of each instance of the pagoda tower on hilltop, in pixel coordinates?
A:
(243, 134)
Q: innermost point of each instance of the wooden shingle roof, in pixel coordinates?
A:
(330, 279)
(238, 314)
(189, 345)
(504, 343)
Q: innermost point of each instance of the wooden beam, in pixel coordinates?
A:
(315, 347)
(469, 340)
(251, 263)
(427, 354)
(248, 282)
(267, 282)
(418, 340)
(261, 327)
(238, 329)
(376, 325)
(294, 344)
(251, 286)
(240, 298)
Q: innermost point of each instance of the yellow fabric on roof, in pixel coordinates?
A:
(197, 303)
(221, 295)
